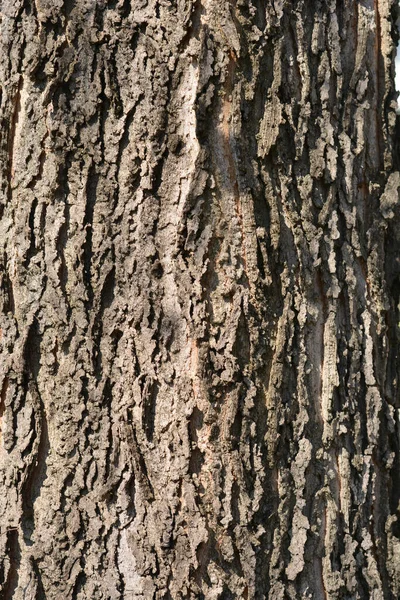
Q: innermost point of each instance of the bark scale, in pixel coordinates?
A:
(199, 300)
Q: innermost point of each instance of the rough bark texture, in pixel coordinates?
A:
(199, 300)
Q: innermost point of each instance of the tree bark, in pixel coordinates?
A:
(199, 299)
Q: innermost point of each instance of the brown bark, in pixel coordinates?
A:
(199, 296)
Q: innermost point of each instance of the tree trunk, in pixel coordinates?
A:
(199, 300)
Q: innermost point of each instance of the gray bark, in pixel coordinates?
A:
(199, 299)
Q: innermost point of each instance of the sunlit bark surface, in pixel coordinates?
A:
(199, 288)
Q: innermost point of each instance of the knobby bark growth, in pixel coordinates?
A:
(199, 300)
